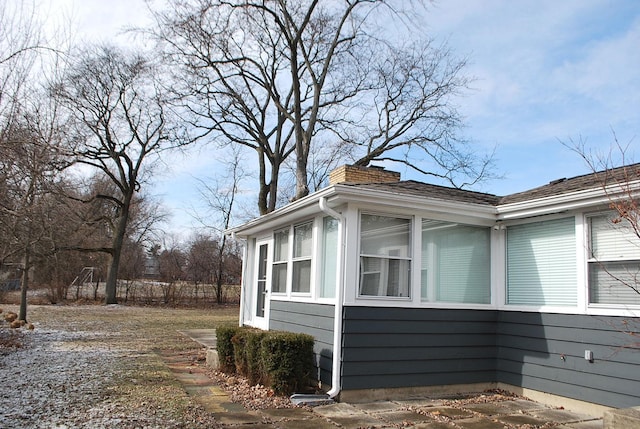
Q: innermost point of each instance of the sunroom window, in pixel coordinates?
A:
(541, 263)
(280, 261)
(329, 257)
(614, 261)
(456, 263)
(302, 248)
(385, 256)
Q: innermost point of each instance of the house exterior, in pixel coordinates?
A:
(413, 288)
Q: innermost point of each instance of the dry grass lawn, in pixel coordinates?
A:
(125, 348)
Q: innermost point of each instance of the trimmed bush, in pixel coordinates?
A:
(288, 361)
(224, 335)
(280, 360)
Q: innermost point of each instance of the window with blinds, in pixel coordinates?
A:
(329, 257)
(614, 261)
(541, 263)
(456, 263)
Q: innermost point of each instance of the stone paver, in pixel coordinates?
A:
(450, 412)
(591, 424)
(417, 413)
(479, 423)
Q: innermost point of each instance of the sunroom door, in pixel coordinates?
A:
(261, 290)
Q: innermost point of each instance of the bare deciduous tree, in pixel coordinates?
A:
(122, 125)
(279, 77)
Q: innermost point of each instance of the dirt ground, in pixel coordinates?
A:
(100, 366)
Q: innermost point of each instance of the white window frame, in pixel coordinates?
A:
(593, 260)
(275, 264)
(566, 308)
(405, 276)
(304, 258)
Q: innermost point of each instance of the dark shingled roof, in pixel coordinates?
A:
(554, 188)
(579, 183)
(411, 187)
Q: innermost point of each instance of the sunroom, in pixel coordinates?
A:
(412, 287)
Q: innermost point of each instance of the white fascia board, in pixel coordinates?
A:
(567, 202)
(414, 203)
(301, 208)
(340, 194)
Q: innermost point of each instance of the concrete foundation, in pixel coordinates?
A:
(212, 358)
(627, 418)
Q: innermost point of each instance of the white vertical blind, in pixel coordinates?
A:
(541, 263)
(611, 240)
(614, 265)
(329, 257)
(459, 258)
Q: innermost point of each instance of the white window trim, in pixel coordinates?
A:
(285, 262)
(411, 259)
(312, 276)
(623, 310)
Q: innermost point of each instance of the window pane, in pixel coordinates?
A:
(456, 262)
(614, 283)
(329, 257)
(384, 277)
(281, 251)
(279, 283)
(613, 240)
(384, 236)
(302, 240)
(541, 263)
(302, 276)
(370, 280)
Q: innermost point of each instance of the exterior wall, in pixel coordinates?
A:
(401, 347)
(312, 319)
(546, 352)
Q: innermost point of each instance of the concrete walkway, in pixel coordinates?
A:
(417, 413)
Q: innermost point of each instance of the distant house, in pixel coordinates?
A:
(414, 288)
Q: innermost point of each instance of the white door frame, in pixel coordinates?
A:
(261, 286)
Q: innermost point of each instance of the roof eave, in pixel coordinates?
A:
(570, 201)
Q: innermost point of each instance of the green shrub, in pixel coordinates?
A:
(224, 335)
(280, 360)
(255, 367)
(288, 361)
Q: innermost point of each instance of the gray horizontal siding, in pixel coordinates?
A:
(531, 347)
(396, 347)
(313, 319)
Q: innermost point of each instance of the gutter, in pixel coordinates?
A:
(337, 319)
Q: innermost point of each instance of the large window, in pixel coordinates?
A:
(280, 261)
(614, 261)
(456, 263)
(541, 263)
(302, 248)
(329, 257)
(385, 256)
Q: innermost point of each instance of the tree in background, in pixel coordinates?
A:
(287, 78)
(621, 186)
(219, 203)
(121, 125)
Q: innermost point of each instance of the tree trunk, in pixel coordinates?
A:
(219, 279)
(118, 240)
(25, 285)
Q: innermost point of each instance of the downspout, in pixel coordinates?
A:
(337, 319)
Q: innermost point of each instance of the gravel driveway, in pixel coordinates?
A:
(100, 366)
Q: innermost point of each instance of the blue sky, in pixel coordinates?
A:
(545, 72)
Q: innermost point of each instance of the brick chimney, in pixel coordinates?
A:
(358, 174)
